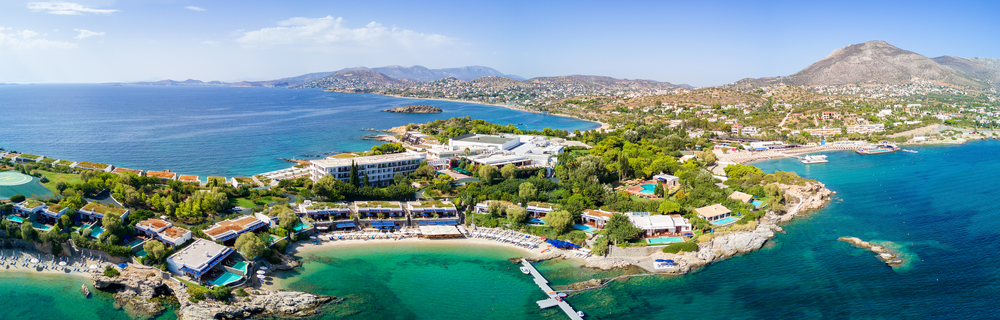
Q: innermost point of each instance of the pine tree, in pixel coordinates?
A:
(622, 166)
(366, 180)
(354, 174)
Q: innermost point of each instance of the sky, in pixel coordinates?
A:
(701, 43)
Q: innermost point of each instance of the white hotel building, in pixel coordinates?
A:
(380, 168)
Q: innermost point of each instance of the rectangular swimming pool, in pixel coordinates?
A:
(584, 227)
(662, 240)
(225, 278)
(241, 266)
(536, 220)
(301, 226)
(96, 232)
(15, 218)
(725, 221)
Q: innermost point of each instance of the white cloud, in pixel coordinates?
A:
(84, 33)
(65, 8)
(331, 33)
(193, 8)
(25, 39)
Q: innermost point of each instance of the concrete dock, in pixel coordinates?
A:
(551, 301)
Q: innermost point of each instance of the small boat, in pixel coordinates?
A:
(562, 294)
(86, 292)
(819, 158)
(910, 151)
(524, 270)
(580, 313)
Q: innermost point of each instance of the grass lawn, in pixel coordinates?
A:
(246, 203)
(192, 284)
(55, 178)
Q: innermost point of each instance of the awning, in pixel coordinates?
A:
(345, 225)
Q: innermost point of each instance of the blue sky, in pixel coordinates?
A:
(702, 43)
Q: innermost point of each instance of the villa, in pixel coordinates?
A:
(94, 166)
(432, 212)
(338, 213)
(667, 180)
(538, 210)
(713, 212)
(189, 179)
(596, 218)
(238, 182)
(163, 175)
(163, 231)
(53, 212)
(484, 207)
(65, 163)
(29, 158)
(219, 180)
(97, 210)
(124, 170)
(230, 229)
(29, 207)
(740, 196)
(380, 214)
(198, 258)
(380, 169)
(660, 225)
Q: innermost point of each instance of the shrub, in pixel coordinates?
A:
(110, 272)
(17, 198)
(680, 246)
(196, 294)
(240, 292)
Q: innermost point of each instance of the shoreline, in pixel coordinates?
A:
(602, 126)
(327, 245)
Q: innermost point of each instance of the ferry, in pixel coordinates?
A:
(819, 158)
(881, 148)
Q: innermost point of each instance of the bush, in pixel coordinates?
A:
(110, 272)
(17, 198)
(680, 246)
(240, 292)
(196, 294)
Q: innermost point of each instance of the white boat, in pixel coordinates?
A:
(910, 151)
(580, 313)
(819, 158)
(524, 270)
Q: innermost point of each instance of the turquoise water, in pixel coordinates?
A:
(96, 232)
(300, 226)
(725, 221)
(214, 130)
(536, 220)
(55, 297)
(664, 240)
(40, 226)
(225, 278)
(584, 227)
(648, 188)
(240, 265)
(15, 218)
(756, 203)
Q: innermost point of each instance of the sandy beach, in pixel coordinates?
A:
(78, 267)
(305, 247)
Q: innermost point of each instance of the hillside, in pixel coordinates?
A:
(358, 80)
(703, 96)
(976, 68)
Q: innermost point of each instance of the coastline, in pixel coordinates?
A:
(300, 248)
(603, 126)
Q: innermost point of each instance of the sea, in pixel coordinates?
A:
(937, 207)
(215, 131)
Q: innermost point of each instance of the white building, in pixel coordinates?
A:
(198, 258)
(164, 231)
(659, 225)
(865, 128)
(380, 169)
(750, 131)
(484, 141)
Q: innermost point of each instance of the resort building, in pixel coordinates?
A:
(484, 207)
(866, 128)
(414, 137)
(500, 160)
(823, 132)
(484, 141)
(432, 212)
(538, 210)
(52, 213)
(189, 179)
(440, 232)
(713, 212)
(97, 210)
(334, 213)
(596, 218)
(742, 197)
(380, 214)
(667, 180)
(94, 166)
(660, 225)
(124, 170)
(29, 207)
(163, 175)
(198, 258)
(29, 158)
(230, 229)
(380, 169)
(219, 181)
(238, 182)
(163, 231)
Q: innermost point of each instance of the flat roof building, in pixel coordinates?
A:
(230, 229)
(97, 210)
(742, 197)
(660, 225)
(487, 141)
(165, 174)
(380, 169)
(596, 218)
(713, 212)
(198, 258)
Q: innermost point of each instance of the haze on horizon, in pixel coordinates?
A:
(697, 43)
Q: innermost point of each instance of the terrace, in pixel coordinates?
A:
(29, 157)
(97, 210)
(596, 218)
(197, 259)
(54, 211)
(165, 175)
(65, 163)
(48, 160)
(484, 207)
(92, 165)
(325, 211)
(243, 181)
(124, 170)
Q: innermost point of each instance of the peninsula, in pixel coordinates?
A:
(416, 108)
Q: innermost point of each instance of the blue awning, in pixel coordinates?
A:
(447, 223)
(345, 225)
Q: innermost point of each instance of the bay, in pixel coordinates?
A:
(214, 130)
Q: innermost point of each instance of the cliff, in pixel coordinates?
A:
(417, 108)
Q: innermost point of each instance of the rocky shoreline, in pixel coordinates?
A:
(138, 291)
(416, 108)
(890, 258)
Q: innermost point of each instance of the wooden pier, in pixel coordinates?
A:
(551, 301)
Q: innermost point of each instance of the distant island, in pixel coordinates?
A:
(416, 108)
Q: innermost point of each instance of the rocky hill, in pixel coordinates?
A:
(358, 80)
(878, 62)
(416, 108)
(976, 68)
(420, 73)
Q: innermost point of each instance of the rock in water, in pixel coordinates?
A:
(417, 108)
(891, 258)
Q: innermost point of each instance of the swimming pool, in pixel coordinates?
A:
(15, 218)
(141, 253)
(536, 220)
(725, 221)
(648, 188)
(40, 226)
(301, 226)
(134, 243)
(225, 278)
(584, 227)
(661, 240)
(96, 232)
(241, 266)
(756, 203)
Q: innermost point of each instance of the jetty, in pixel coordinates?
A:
(551, 301)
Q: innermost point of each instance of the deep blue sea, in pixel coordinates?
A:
(213, 130)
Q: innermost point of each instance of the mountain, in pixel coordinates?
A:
(359, 79)
(602, 82)
(977, 68)
(876, 62)
(420, 73)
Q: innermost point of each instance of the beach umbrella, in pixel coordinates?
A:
(262, 268)
(312, 237)
(34, 260)
(62, 263)
(260, 272)
(93, 266)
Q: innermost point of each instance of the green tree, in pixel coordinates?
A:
(155, 250)
(353, 177)
(250, 245)
(487, 173)
(287, 220)
(111, 223)
(17, 198)
(620, 229)
(508, 171)
(668, 207)
(623, 166)
(527, 191)
(27, 232)
(559, 220)
(517, 214)
(222, 293)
